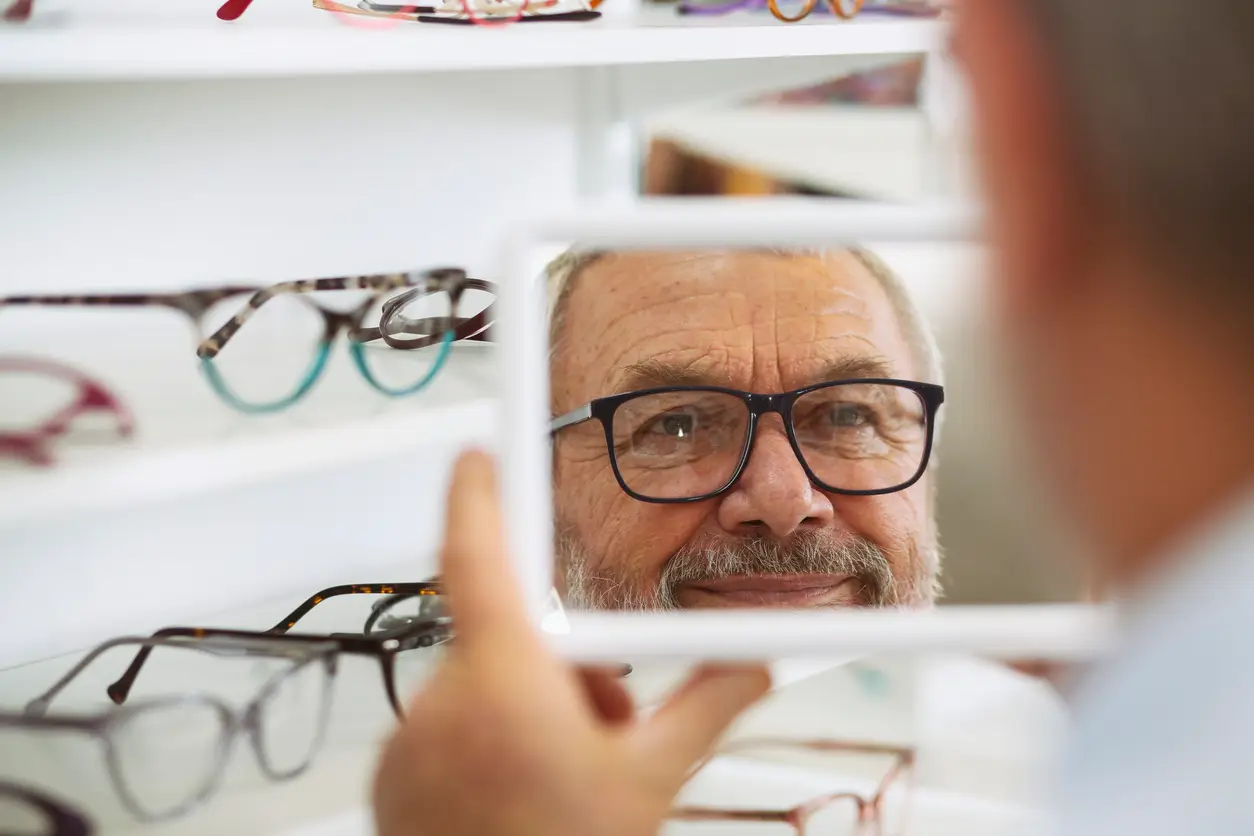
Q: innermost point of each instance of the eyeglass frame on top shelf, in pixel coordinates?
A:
(925, 9)
(195, 305)
(453, 281)
(521, 12)
(92, 396)
(19, 11)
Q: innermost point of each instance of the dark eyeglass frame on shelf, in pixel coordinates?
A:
(452, 281)
(234, 722)
(58, 815)
(395, 592)
(382, 636)
(383, 645)
(522, 12)
(870, 810)
(31, 444)
(603, 410)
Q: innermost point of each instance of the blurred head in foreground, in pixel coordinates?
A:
(668, 491)
(1117, 145)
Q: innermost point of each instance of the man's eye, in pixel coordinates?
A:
(674, 426)
(849, 415)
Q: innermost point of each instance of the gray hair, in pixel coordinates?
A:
(562, 272)
(1159, 103)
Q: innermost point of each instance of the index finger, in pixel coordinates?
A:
(485, 598)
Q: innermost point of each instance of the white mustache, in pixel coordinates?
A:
(810, 553)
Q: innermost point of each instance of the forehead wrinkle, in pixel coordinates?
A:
(620, 318)
(712, 366)
(612, 357)
(709, 359)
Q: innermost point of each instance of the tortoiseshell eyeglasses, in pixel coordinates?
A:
(443, 305)
(405, 625)
(402, 630)
(881, 812)
(274, 362)
(44, 401)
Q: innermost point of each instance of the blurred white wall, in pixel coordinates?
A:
(1002, 541)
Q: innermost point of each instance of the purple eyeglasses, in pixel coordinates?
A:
(846, 9)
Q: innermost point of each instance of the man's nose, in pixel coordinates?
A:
(773, 495)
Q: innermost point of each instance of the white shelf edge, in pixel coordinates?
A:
(355, 823)
(1069, 632)
(131, 479)
(224, 51)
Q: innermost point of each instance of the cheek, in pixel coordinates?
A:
(621, 535)
(894, 522)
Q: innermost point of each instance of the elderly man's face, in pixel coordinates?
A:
(757, 322)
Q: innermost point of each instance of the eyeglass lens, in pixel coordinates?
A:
(268, 360)
(290, 716)
(853, 437)
(419, 325)
(167, 755)
(417, 660)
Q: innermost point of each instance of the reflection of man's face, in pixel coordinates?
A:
(753, 321)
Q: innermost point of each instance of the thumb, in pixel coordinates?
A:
(478, 577)
(682, 732)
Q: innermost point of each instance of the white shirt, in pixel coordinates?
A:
(1164, 734)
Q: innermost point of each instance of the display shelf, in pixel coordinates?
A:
(184, 454)
(110, 42)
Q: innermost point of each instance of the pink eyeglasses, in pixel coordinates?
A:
(63, 396)
(881, 813)
(496, 13)
(20, 10)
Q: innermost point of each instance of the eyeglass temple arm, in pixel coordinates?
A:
(575, 416)
(718, 814)
(39, 705)
(904, 753)
(332, 6)
(232, 9)
(212, 345)
(477, 327)
(119, 690)
(169, 636)
(289, 621)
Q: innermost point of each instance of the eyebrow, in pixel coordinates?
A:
(651, 374)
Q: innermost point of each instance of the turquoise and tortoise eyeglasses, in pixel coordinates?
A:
(441, 306)
(282, 353)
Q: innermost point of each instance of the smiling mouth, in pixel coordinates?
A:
(772, 591)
